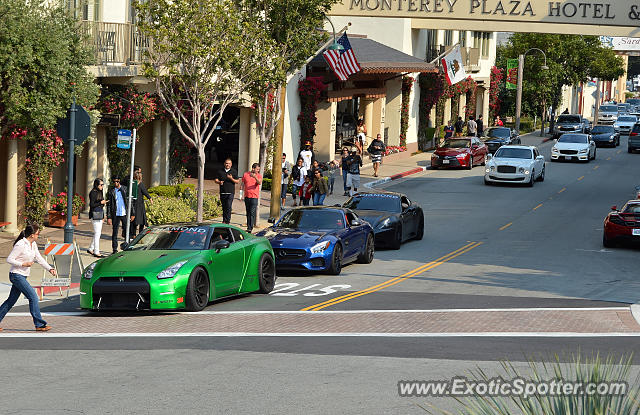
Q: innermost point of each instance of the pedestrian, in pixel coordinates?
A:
(320, 188)
(480, 124)
(286, 171)
(96, 214)
(334, 169)
(251, 182)
(305, 191)
(376, 149)
(117, 210)
(21, 258)
(345, 169)
(472, 127)
(227, 178)
(139, 215)
(566, 110)
(353, 177)
(361, 137)
(459, 127)
(307, 154)
(498, 122)
(298, 172)
(448, 130)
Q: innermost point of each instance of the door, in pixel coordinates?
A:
(538, 161)
(353, 237)
(409, 218)
(228, 265)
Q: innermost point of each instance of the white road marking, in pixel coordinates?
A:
(281, 289)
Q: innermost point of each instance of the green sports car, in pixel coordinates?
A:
(180, 266)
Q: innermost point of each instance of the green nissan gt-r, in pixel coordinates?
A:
(180, 266)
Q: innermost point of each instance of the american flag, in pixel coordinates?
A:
(343, 62)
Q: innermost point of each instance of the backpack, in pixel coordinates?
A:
(295, 172)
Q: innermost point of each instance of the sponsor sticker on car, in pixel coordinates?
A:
(635, 232)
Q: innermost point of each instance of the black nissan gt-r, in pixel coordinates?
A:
(394, 218)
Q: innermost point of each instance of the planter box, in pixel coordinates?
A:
(58, 220)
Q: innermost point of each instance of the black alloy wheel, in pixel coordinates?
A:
(541, 178)
(336, 260)
(197, 296)
(470, 165)
(532, 181)
(266, 274)
(367, 255)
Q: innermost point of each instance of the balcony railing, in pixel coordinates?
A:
(115, 43)
(471, 58)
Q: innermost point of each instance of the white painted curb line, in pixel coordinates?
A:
(635, 312)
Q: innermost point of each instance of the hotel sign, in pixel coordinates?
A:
(577, 16)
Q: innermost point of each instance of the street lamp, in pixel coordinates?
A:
(335, 45)
(520, 74)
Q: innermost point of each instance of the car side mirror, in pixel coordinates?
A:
(356, 222)
(219, 245)
(614, 208)
(540, 157)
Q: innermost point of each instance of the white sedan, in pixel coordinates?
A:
(515, 164)
(574, 147)
(625, 123)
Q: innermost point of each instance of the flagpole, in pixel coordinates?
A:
(437, 60)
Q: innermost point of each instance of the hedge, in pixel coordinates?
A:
(176, 190)
(178, 203)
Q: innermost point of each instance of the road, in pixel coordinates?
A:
(529, 260)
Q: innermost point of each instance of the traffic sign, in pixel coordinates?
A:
(82, 125)
(124, 139)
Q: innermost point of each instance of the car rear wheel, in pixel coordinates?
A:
(594, 154)
(336, 260)
(266, 274)
(420, 233)
(397, 240)
(197, 296)
(629, 150)
(367, 255)
(606, 242)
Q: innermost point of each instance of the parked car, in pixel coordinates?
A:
(496, 137)
(574, 147)
(321, 239)
(515, 164)
(460, 152)
(625, 123)
(634, 139)
(608, 114)
(394, 218)
(605, 135)
(569, 123)
(179, 266)
(622, 225)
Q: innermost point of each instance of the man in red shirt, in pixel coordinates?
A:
(251, 182)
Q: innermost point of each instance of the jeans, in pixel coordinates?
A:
(251, 204)
(294, 193)
(22, 286)
(132, 229)
(344, 179)
(305, 202)
(116, 222)
(332, 180)
(227, 202)
(97, 231)
(318, 198)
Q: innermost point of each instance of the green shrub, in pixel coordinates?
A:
(211, 206)
(176, 190)
(266, 183)
(165, 210)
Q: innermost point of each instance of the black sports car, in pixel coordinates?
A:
(393, 216)
(605, 135)
(496, 137)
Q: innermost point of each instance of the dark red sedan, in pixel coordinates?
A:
(622, 225)
(460, 152)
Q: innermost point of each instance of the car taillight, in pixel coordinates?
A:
(632, 134)
(617, 220)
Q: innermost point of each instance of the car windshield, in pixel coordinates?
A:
(458, 143)
(603, 129)
(514, 153)
(190, 238)
(627, 119)
(573, 138)
(312, 219)
(608, 108)
(569, 119)
(633, 208)
(387, 203)
(633, 101)
(498, 132)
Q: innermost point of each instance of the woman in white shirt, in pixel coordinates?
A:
(21, 258)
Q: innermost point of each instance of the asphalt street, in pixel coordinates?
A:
(485, 247)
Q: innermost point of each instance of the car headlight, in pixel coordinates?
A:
(170, 272)
(321, 247)
(554, 150)
(384, 224)
(584, 150)
(88, 271)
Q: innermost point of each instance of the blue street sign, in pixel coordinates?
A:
(124, 139)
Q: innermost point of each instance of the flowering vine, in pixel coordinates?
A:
(407, 85)
(497, 75)
(310, 90)
(431, 89)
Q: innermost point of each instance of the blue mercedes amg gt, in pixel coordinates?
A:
(320, 239)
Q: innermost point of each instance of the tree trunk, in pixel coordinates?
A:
(201, 163)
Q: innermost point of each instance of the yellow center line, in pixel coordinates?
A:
(562, 190)
(395, 280)
(539, 206)
(608, 158)
(506, 226)
(596, 167)
(581, 177)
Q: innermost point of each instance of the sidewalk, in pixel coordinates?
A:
(83, 232)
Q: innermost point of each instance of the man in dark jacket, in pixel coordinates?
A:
(376, 149)
(117, 210)
(459, 126)
(227, 178)
(138, 209)
(480, 124)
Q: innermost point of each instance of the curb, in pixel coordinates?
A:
(635, 312)
(397, 176)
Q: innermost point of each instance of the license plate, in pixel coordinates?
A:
(635, 232)
(445, 161)
(567, 157)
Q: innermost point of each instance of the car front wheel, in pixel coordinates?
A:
(531, 179)
(197, 296)
(336, 260)
(266, 274)
(541, 178)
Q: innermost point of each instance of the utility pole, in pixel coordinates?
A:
(68, 227)
(597, 104)
(276, 165)
(519, 92)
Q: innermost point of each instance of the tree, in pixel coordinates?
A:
(204, 55)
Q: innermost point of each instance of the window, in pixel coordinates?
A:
(462, 38)
(432, 45)
(482, 41)
(448, 37)
(220, 234)
(405, 202)
(350, 217)
(237, 235)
